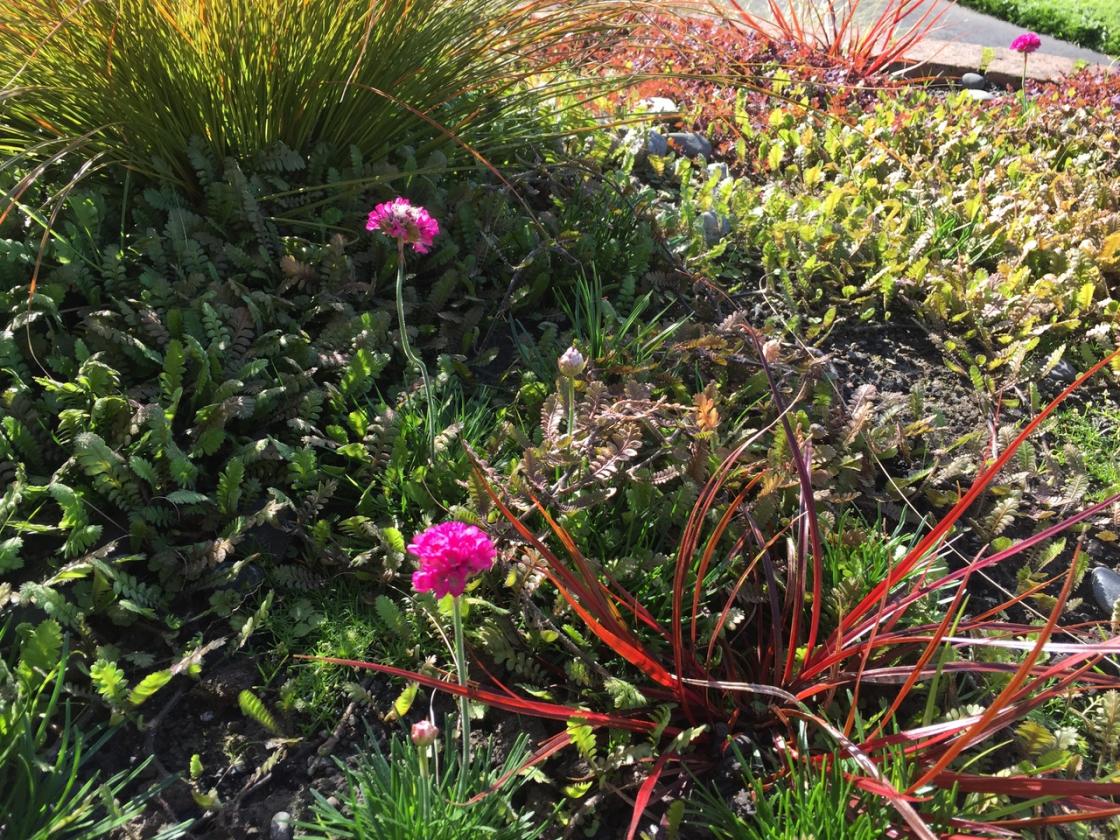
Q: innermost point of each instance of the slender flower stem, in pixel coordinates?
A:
(570, 395)
(407, 348)
(461, 671)
(425, 784)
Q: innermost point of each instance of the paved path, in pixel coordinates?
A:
(963, 25)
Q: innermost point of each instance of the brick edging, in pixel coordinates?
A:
(952, 59)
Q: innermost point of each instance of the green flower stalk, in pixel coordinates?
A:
(399, 219)
(571, 364)
(1026, 44)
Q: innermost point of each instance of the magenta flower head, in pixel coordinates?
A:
(1026, 43)
(450, 553)
(400, 219)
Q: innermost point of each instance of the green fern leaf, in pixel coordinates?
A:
(109, 681)
(254, 707)
(174, 366)
(624, 694)
(148, 686)
(186, 497)
(583, 737)
(229, 486)
(41, 648)
(145, 469)
(391, 616)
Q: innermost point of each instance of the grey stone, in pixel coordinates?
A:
(281, 826)
(656, 144)
(718, 171)
(1063, 373)
(715, 226)
(658, 105)
(982, 95)
(690, 144)
(1106, 588)
(974, 81)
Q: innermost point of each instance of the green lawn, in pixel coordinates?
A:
(1094, 24)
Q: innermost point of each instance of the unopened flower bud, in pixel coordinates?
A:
(424, 733)
(771, 350)
(571, 363)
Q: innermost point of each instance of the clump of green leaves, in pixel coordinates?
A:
(1089, 437)
(347, 621)
(187, 411)
(396, 794)
(47, 787)
(802, 801)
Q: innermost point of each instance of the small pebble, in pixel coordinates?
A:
(1063, 373)
(333, 801)
(718, 171)
(1106, 588)
(982, 95)
(715, 226)
(281, 826)
(206, 716)
(658, 105)
(974, 81)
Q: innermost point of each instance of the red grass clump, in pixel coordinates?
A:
(717, 74)
(783, 669)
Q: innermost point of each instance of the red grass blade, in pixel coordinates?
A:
(1026, 787)
(548, 749)
(536, 708)
(641, 802)
(1021, 675)
(934, 537)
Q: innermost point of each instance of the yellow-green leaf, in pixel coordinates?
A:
(148, 686)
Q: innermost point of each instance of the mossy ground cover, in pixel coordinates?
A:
(716, 595)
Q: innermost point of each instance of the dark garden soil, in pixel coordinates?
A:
(901, 358)
(236, 753)
(264, 776)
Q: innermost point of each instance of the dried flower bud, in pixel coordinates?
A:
(771, 350)
(571, 363)
(424, 733)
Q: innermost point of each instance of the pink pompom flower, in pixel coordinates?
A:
(402, 220)
(450, 553)
(1026, 43)
(424, 733)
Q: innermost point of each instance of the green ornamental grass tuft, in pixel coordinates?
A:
(137, 80)
(394, 793)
